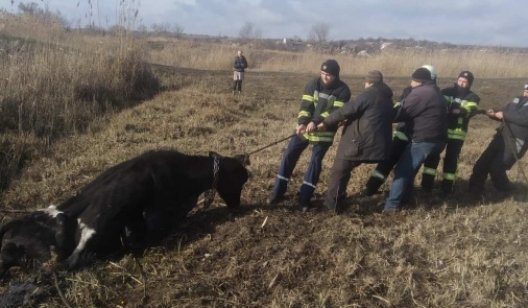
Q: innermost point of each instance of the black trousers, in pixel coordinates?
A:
(379, 175)
(495, 161)
(452, 153)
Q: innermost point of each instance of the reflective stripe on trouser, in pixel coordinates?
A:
(311, 177)
(385, 167)
(429, 171)
(452, 153)
(377, 174)
(411, 160)
(448, 183)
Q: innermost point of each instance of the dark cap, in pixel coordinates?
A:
(468, 76)
(421, 75)
(374, 76)
(331, 67)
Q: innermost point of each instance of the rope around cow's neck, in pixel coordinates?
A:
(210, 194)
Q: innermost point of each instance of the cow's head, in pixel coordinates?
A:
(35, 238)
(231, 177)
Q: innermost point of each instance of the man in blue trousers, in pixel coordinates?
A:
(322, 96)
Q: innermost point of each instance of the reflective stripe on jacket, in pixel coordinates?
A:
(461, 106)
(318, 102)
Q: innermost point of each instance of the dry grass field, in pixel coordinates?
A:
(455, 252)
(459, 252)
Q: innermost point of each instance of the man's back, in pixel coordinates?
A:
(425, 112)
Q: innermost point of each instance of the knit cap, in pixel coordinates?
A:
(421, 75)
(331, 67)
(468, 76)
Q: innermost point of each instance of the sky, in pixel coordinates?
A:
(471, 22)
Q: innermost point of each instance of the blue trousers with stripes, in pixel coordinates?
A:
(289, 159)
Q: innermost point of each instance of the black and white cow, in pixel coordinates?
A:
(135, 200)
(36, 237)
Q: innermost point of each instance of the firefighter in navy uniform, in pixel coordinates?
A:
(507, 146)
(399, 143)
(322, 96)
(463, 104)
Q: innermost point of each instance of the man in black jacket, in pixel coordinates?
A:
(463, 104)
(400, 140)
(322, 96)
(366, 135)
(507, 146)
(239, 65)
(425, 115)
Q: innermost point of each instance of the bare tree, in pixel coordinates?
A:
(319, 32)
(246, 31)
(177, 30)
(44, 14)
(167, 29)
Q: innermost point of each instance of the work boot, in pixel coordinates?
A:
(306, 206)
(334, 205)
(447, 187)
(274, 200)
(373, 185)
(427, 182)
(390, 211)
(305, 195)
(277, 194)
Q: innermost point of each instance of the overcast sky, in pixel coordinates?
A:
(479, 22)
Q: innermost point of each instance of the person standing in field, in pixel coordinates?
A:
(239, 66)
(425, 113)
(322, 96)
(507, 146)
(463, 104)
(366, 136)
(400, 141)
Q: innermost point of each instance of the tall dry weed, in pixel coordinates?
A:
(51, 86)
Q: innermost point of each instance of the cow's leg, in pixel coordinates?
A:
(86, 235)
(135, 233)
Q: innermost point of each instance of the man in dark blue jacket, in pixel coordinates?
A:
(425, 115)
(507, 146)
(366, 136)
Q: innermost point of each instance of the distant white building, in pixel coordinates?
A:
(385, 45)
(363, 53)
